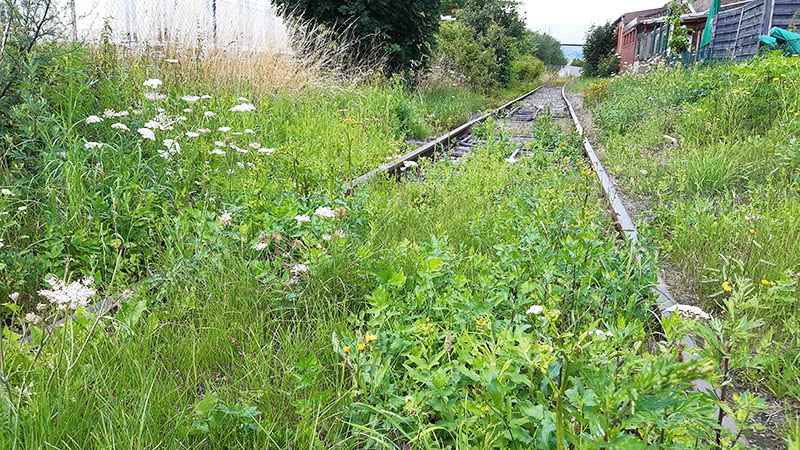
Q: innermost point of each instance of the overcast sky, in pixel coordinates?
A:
(569, 19)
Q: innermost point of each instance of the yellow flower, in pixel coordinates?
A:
(765, 282)
(783, 75)
(776, 79)
(752, 231)
(346, 349)
(370, 338)
(791, 110)
(727, 286)
(772, 283)
(699, 109)
(361, 347)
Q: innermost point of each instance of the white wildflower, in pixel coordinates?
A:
(226, 218)
(90, 145)
(203, 130)
(326, 237)
(22, 208)
(260, 246)
(302, 218)
(181, 118)
(297, 269)
(120, 126)
(240, 164)
(14, 296)
(192, 134)
(171, 61)
(190, 98)
(242, 99)
(205, 96)
(147, 133)
(230, 171)
(121, 114)
(41, 306)
(109, 113)
(218, 151)
(69, 296)
(32, 319)
(249, 131)
(266, 150)
(255, 145)
(339, 234)
(237, 133)
(410, 164)
(689, 312)
(601, 333)
(244, 107)
(209, 114)
(153, 83)
(219, 143)
(7, 192)
(94, 119)
(224, 129)
(161, 110)
(187, 110)
(154, 96)
(325, 212)
(152, 124)
(535, 309)
(238, 149)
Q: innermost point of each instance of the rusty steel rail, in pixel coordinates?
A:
(627, 229)
(430, 149)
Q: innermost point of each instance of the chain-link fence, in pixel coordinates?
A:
(245, 24)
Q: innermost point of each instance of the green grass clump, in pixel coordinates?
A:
(724, 197)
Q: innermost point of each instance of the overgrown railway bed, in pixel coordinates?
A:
(517, 118)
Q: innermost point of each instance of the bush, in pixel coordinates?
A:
(458, 44)
(527, 68)
(601, 41)
(547, 49)
(577, 62)
(405, 30)
(608, 66)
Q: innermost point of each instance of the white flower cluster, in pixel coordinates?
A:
(689, 312)
(535, 309)
(325, 212)
(172, 148)
(69, 296)
(244, 107)
(601, 333)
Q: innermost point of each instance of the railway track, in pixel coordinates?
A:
(517, 118)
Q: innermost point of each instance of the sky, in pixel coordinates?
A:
(568, 20)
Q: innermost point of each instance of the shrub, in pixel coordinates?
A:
(527, 68)
(405, 30)
(596, 93)
(458, 44)
(546, 48)
(579, 62)
(601, 41)
(608, 66)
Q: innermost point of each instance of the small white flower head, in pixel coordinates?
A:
(161, 110)
(258, 246)
(535, 309)
(326, 237)
(152, 124)
(689, 312)
(226, 218)
(242, 99)
(266, 150)
(154, 96)
(302, 218)
(7, 191)
(255, 145)
(69, 296)
(298, 269)
(339, 234)
(224, 129)
(187, 110)
(137, 112)
(325, 212)
(238, 149)
(218, 151)
(244, 107)
(120, 126)
(94, 119)
(181, 118)
(90, 145)
(407, 164)
(601, 334)
(147, 133)
(32, 319)
(209, 114)
(22, 208)
(171, 61)
(109, 113)
(153, 83)
(190, 98)
(230, 171)
(205, 97)
(249, 131)
(219, 143)
(204, 130)
(192, 134)
(240, 164)
(14, 296)
(237, 133)
(41, 306)
(121, 114)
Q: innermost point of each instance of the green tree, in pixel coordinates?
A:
(545, 47)
(498, 26)
(403, 29)
(458, 45)
(599, 49)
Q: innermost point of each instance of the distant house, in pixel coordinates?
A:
(642, 35)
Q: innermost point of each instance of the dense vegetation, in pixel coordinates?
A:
(599, 51)
(713, 154)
